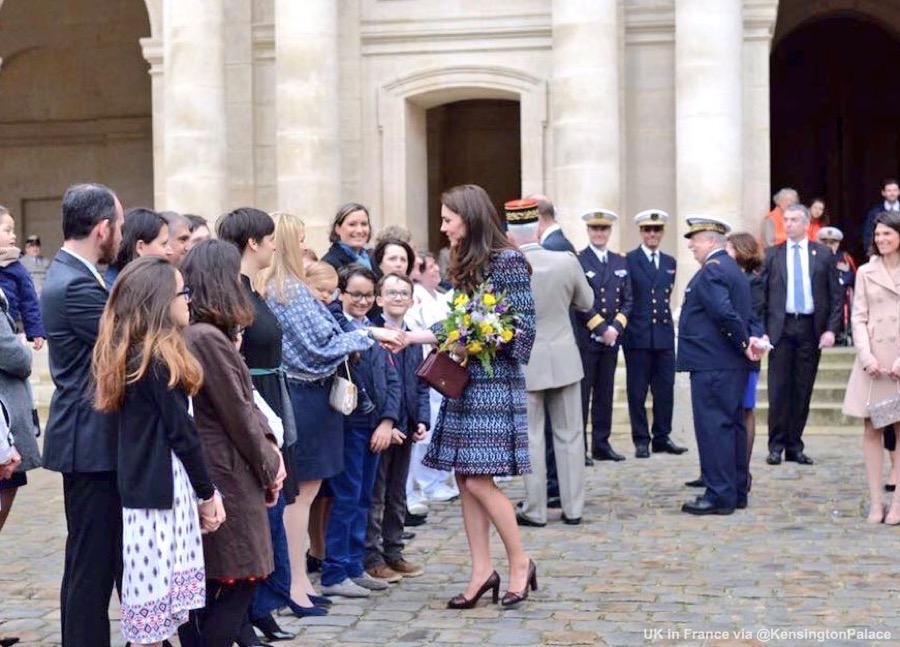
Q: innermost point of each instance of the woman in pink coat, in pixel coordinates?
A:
(876, 335)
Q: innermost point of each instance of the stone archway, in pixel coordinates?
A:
(402, 108)
(834, 105)
(74, 105)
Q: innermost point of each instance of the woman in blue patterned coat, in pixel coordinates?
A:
(484, 433)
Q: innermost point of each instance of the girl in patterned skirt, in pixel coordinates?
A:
(145, 372)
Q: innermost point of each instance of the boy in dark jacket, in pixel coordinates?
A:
(384, 545)
(368, 431)
(16, 283)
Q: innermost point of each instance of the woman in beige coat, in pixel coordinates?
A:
(876, 335)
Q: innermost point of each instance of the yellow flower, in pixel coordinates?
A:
(489, 299)
(461, 300)
(453, 336)
(486, 328)
(466, 320)
(474, 347)
(507, 335)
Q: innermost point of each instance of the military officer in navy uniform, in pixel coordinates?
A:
(600, 330)
(649, 343)
(716, 343)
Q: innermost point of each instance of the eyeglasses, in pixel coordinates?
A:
(359, 296)
(186, 293)
(397, 294)
(653, 228)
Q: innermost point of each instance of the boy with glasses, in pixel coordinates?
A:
(384, 546)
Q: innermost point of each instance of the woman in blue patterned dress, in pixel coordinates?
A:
(484, 433)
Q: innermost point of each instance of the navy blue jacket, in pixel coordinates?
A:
(716, 319)
(375, 373)
(650, 324)
(556, 241)
(612, 299)
(415, 406)
(23, 300)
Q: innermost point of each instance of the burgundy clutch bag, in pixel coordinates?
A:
(443, 374)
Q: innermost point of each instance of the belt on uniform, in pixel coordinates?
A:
(797, 315)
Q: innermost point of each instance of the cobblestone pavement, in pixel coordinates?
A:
(638, 571)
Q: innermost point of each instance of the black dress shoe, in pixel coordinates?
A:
(414, 519)
(799, 457)
(741, 504)
(642, 451)
(889, 488)
(695, 483)
(574, 521)
(270, 629)
(522, 520)
(774, 458)
(8, 642)
(588, 461)
(608, 454)
(554, 503)
(667, 447)
(703, 506)
(406, 535)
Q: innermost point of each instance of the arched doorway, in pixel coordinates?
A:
(834, 121)
(472, 142)
(75, 106)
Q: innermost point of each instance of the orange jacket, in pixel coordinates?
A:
(776, 215)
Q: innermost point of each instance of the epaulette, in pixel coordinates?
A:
(712, 262)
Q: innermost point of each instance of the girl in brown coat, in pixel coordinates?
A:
(240, 449)
(876, 335)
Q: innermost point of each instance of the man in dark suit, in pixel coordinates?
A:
(81, 442)
(600, 329)
(550, 234)
(802, 316)
(715, 345)
(890, 193)
(650, 339)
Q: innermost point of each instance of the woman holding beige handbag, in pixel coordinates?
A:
(873, 384)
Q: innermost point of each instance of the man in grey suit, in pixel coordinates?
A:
(79, 441)
(553, 374)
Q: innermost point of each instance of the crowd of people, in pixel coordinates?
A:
(233, 413)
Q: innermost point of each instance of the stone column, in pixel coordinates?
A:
(759, 21)
(708, 113)
(152, 49)
(584, 104)
(194, 103)
(308, 161)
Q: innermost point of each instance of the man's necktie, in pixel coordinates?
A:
(799, 299)
(653, 260)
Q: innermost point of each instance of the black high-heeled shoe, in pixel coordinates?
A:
(271, 630)
(462, 602)
(511, 599)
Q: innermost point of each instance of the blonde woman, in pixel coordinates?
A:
(314, 346)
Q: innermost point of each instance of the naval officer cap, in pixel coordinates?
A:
(600, 218)
(830, 233)
(651, 218)
(696, 224)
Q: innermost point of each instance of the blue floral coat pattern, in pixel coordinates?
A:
(485, 431)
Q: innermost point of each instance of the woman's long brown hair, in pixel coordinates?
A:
(213, 271)
(137, 329)
(471, 257)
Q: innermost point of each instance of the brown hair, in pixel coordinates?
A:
(136, 329)
(746, 251)
(888, 219)
(471, 257)
(403, 278)
(212, 269)
(381, 250)
(342, 213)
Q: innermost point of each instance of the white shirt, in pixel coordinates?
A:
(601, 253)
(427, 310)
(892, 207)
(648, 253)
(89, 265)
(549, 230)
(807, 284)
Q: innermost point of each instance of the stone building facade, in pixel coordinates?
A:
(302, 105)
